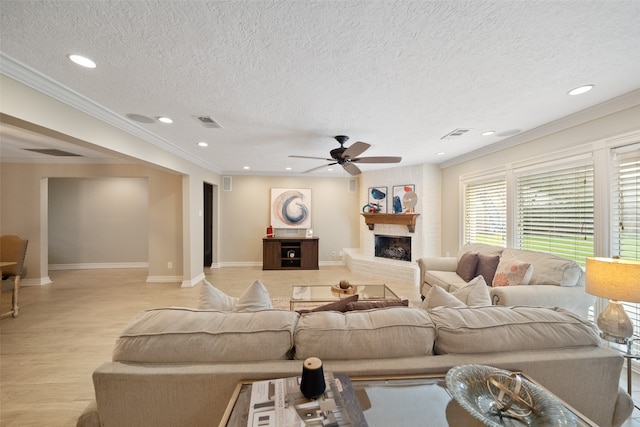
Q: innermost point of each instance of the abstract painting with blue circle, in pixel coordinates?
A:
(291, 208)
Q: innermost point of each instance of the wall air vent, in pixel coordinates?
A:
(208, 122)
(456, 133)
(52, 152)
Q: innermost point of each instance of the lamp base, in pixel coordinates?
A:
(614, 321)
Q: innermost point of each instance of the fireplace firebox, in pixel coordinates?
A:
(393, 247)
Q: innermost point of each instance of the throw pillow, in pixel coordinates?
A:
(340, 305)
(487, 265)
(475, 294)
(212, 298)
(254, 298)
(511, 271)
(438, 297)
(467, 265)
(368, 305)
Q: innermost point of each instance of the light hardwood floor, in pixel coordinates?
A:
(66, 329)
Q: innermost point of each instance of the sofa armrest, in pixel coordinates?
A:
(574, 299)
(437, 263)
(624, 408)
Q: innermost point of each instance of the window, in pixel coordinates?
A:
(625, 213)
(554, 212)
(485, 213)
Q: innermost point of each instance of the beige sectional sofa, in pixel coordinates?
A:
(179, 366)
(552, 280)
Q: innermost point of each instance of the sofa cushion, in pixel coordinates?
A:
(487, 265)
(368, 305)
(511, 271)
(551, 269)
(467, 265)
(449, 280)
(183, 335)
(254, 298)
(500, 329)
(371, 334)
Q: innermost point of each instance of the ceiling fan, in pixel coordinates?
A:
(348, 156)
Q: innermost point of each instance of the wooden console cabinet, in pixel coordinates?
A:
(289, 253)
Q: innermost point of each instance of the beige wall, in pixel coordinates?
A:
(245, 215)
(593, 131)
(25, 208)
(25, 104)
(98, 221)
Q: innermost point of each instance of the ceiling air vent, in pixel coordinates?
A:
(456, 133)
(208, 122)
(52, 152)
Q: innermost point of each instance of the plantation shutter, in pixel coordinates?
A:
(485, 213)
(625, 213)
(554, 212)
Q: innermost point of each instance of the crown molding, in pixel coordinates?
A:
(622, 102)
(28, 76)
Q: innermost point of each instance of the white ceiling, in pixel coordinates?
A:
(284, 77)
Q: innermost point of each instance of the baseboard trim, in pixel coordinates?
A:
(191, 283)
(96, 265)
(35, 282)
(164, 279)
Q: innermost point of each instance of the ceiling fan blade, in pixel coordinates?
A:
(351, 168)
(355, 150)
(379, 159)
(314, 158)
(320, 167)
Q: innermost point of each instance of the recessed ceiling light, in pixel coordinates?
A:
(82, 61)
(288, 168)
(246, 167)
(580, 90)
(487, 133)
(330, 169)
(165, 120)
(203, 144)
(440, 153)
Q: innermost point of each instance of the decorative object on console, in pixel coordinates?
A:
(312, 384)
(618, 280)
(291, 208)
(410, 200)
(349, 289)
(522, 401)
(377, 200)
(398, 194)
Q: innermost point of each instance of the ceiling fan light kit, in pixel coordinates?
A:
(347, 156)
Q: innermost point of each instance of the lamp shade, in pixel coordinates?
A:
(616, 279)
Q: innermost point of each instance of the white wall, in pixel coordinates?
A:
(426, 178)
(592, 132)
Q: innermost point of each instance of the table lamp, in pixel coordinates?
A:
(618, 280)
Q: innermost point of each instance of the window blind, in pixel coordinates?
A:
(485, 213)
(625, 213)
(554, 212)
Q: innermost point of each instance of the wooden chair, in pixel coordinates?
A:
(12, 252)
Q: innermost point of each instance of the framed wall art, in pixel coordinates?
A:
(378, 199)
(291, 208)
(398, 193)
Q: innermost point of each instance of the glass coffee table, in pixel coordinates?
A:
(321, 294)
(397, 401)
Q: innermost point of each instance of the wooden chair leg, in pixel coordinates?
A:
(14, 299)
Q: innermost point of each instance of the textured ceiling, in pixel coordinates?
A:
(284, 77)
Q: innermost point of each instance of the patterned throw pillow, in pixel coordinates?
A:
(512, 272)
